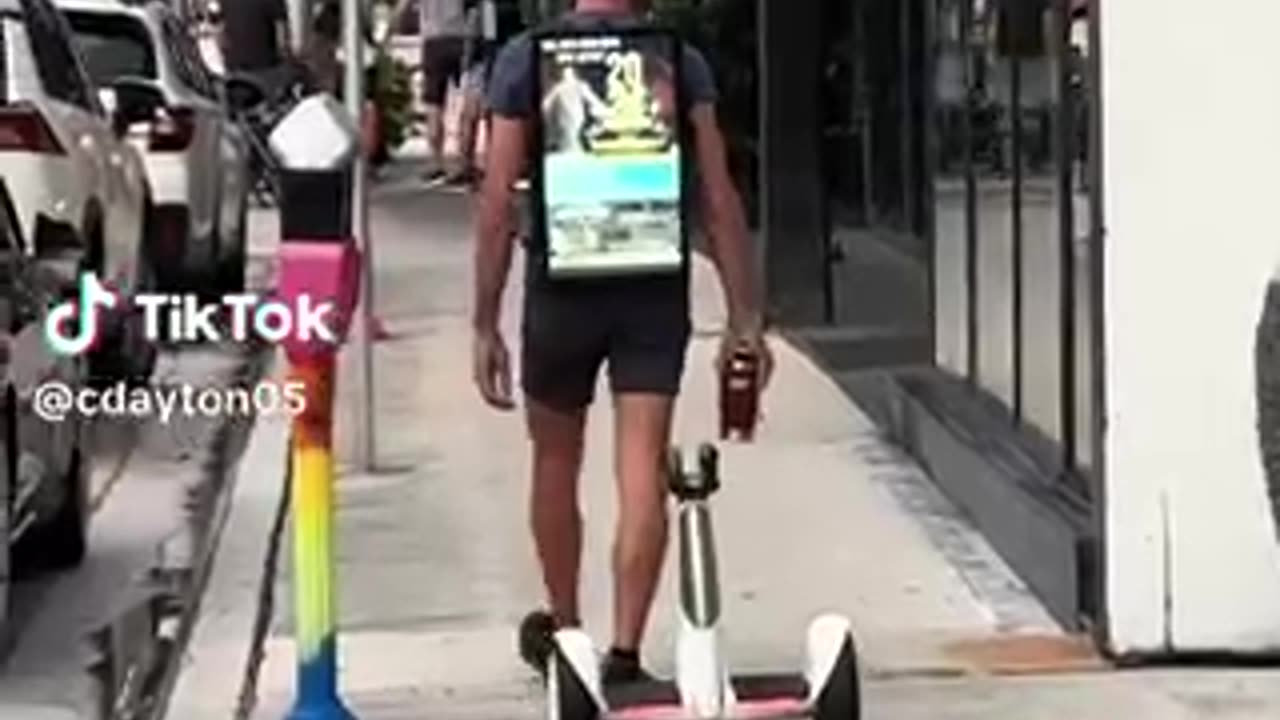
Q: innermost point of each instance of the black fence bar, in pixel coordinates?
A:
(932, 151)
(970, 202)
(1015, 284)
(1067, 151)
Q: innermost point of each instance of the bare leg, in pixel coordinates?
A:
(468, 130)
(554, 515)
(434, 118)
(642, 434)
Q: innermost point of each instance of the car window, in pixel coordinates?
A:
(112, 46)
(60, 70)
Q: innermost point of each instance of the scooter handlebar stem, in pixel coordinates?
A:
(699, 484)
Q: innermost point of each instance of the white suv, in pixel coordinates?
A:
(196, 156)
(79, 190)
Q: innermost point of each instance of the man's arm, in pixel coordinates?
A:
(725, 224)
(494, 236)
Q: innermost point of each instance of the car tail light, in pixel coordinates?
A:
(172, 129)
(23, 128)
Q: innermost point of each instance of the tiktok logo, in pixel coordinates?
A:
(73, 341)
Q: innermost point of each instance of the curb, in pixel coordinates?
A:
(220, 659)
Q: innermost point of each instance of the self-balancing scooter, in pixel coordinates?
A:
(703, 688)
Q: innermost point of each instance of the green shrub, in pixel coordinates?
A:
(392, 93)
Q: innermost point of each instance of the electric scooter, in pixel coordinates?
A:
(703, 688)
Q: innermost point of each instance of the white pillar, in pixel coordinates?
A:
(1191, 143)
(299, 14)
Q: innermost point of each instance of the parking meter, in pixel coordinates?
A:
(316, 144)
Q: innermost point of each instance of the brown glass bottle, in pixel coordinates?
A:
(739, 396)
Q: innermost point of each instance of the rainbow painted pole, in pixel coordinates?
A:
(330, 272)
(324, 271)
(319, 265)
(314, 591)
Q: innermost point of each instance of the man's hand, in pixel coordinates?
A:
(752, 341)
(491, 369)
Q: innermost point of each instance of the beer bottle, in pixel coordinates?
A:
(739, 395)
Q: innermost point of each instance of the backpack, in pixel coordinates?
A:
(610, 150)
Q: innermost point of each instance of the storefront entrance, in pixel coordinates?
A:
(958, 189)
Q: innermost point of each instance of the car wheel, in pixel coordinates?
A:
(60, 541)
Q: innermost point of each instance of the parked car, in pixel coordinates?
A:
(196, 156)
(44, 464)
(78, 188)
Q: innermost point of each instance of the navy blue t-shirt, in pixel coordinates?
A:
(512, 88)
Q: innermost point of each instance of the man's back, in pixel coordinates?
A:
(250, 39)
(513, 94)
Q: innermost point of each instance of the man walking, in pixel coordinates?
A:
(491, 24)
(640, 326)
(443, 26)
(255, 39)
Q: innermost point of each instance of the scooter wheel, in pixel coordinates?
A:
(841, 698)
(572, 699)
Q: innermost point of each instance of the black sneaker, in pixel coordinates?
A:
(622, 669)
(463, 179)
(434, 177)
(537, 640)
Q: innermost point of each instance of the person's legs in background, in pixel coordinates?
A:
(441, 58)
(470, 117)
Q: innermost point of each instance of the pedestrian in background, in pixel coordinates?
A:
(491, 23)
(443, 25)
(255, 41)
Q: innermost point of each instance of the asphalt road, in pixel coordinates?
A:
(151, 493)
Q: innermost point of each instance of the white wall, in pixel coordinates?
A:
(1192, 199)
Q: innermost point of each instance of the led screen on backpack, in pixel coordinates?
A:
(611, 177)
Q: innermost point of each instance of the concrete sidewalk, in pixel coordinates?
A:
(436, 566)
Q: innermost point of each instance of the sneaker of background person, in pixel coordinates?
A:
(467, 179)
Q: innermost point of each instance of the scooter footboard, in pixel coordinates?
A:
(759, 697)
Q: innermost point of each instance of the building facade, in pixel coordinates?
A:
(1026, 243)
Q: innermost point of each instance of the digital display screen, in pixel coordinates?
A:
(611, 165)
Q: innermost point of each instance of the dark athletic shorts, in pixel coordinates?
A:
(569, 333)
(441, 64)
